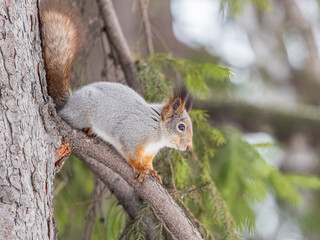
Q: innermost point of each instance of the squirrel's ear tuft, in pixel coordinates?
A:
(180, 91)
(176, 104)
(188, 104)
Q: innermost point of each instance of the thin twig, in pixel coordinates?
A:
(194, 155)
(96, 201)
(300, 22)
(172, 173)
(163, 224)
(105, 55)
(200, 226)
(118, 42)
(138, 38)
(93, 200)
(161, 39)
(147, 28)
(64, 182)
(197, 188)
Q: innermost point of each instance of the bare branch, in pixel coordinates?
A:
(146, 22)
(98, 195)
(125, 194)
(305, 119)
(118, 42)
(300, 22)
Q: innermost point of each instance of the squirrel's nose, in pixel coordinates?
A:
(189, 146)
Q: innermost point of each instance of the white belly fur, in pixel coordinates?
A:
(150, 149)
(153, 147)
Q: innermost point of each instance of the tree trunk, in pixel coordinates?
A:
(27, 141)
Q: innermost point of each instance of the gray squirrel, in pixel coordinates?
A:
(112, 111)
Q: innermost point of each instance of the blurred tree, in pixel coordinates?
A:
(27, 135)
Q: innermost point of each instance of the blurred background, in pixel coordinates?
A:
(272, 49)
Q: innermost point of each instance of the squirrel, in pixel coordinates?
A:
(112, 111)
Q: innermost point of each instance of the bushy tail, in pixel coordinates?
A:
(63, 38)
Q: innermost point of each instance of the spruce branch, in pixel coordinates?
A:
(194, 220)
(191, 190)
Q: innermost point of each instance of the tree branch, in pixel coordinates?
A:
(305, 119)
(147, 28)
(301, 23)
(88, 149)
(125, 194)
(118, 42)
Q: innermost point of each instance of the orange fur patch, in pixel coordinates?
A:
(142, 168)
(139, 153)
(136, 161)
(134, 164)
(61, 152)
(148, 161)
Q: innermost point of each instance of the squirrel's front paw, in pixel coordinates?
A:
(141, 173)
(89, 132)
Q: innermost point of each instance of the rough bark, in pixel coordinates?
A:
(27, 142)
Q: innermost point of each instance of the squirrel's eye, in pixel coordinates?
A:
(181, 127)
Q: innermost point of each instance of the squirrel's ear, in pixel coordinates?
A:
(180, 93)
(176, 103)
(188, 104)
(170, 108)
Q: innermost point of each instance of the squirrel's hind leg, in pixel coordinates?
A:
(140, 171)
(148, 163)
(142, 165)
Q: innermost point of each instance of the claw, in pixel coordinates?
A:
(158, 178)
(156, 175)
(142, 170)
(89, 132)
(141, 173)
(141, 177)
